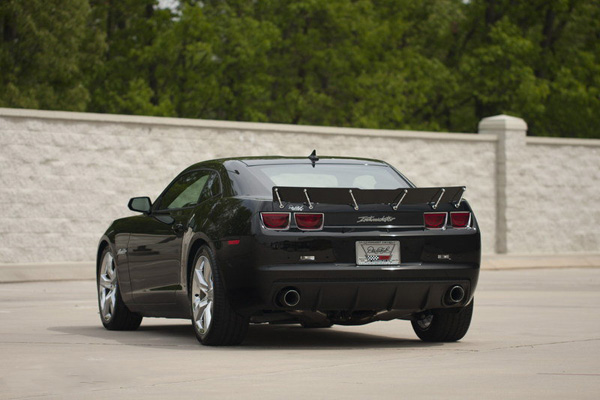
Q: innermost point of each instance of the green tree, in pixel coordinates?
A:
(218, 61)
(47, 52)
(126, 81)
(536, 59)
(571, 63)
(396, 64)
(315, 63)
(407, 83)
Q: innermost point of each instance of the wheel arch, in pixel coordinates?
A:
(104, 243)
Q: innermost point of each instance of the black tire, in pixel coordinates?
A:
(225, 326)
(115, 316)
(445, 326)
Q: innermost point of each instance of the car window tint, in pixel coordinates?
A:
(212, 188)
(185, 191)
(365, 182)
(329, 175)
(307, 180)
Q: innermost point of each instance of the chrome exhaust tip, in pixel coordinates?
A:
(289, 297)
(456, 294)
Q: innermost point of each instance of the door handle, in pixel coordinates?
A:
(178, 228)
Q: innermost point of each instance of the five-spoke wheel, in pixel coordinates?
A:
(202, 295)
(107, 287)
(215, 322)
(114, 314)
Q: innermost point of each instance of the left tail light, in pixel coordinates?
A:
(309, 221)
(435, 220)
(275, 220)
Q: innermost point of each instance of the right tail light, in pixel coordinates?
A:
(309, 221)
(460, 219)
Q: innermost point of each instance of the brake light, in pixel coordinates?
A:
(435, 220)
(309, 221)
(460, 219)
(276, 220)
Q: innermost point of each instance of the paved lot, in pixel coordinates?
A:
(535, 334)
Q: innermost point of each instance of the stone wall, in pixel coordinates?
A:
(559, 204)
(65, 176)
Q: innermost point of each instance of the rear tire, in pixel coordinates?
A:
(215, 323)
(114, 314)
(443, 326)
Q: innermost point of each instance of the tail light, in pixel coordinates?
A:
(460, 219)
(309, 221)
(276, 220)
(435, 220)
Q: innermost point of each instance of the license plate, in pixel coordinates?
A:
(378, 253)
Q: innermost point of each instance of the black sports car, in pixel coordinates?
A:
(314, 241)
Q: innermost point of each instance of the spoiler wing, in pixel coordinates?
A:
(354, 196)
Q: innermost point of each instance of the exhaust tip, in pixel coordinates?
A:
(289, 297)
(456, 294)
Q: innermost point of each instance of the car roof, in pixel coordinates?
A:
(273, 160)
(305, 160)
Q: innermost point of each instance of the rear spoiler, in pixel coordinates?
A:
(353, 196)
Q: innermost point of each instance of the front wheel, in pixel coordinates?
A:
(114, 313)
(443, 326)
(215, 322)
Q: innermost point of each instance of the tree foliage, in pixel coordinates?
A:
(46, 54)
(395, 64)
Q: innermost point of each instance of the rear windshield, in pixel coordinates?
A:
(327, 176)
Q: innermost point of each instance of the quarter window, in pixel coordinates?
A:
(186, 190)
(212, 188)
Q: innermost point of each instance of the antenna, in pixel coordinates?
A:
(313, 157)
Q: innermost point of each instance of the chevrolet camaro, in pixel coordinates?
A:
(311, 240)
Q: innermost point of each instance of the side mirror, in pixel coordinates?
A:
(140, 204)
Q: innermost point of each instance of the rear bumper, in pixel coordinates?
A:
(264, 264)
(334, 287)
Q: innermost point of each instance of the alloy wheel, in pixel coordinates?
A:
(202, 295)
(107, 287)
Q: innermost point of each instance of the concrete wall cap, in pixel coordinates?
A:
(73, 117)
(560, 141)
(502, 123)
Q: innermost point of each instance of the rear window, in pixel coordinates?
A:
(328, 175)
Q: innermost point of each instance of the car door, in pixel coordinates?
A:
(154, 248)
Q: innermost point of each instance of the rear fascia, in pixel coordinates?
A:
(266, 261)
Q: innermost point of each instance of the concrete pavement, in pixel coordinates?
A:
(535, 334)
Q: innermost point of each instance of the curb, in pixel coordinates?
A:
(79, 271)
(527, 261)
(42, 272)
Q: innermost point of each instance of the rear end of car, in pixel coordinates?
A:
(405, 265)
(355, 242)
